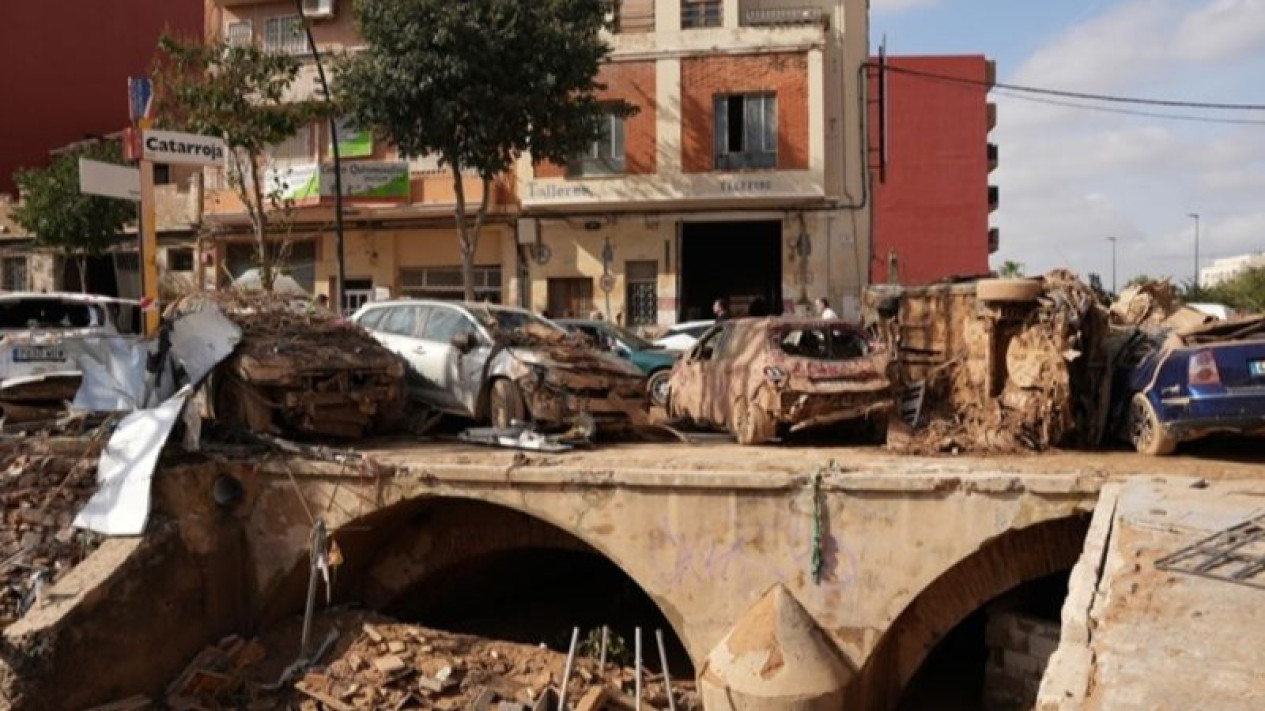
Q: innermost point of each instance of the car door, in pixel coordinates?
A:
(398, 330)
(454, 375)
(691, 394)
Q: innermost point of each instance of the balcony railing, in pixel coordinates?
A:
(754, 15)
(701, 13)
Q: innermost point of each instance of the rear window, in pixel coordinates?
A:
(821, 343)
(25, 314)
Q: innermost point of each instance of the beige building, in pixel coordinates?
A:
(740, 176)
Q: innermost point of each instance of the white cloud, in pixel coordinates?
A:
(901, 5)
(1225, 29)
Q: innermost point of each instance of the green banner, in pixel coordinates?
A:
(368, 182)
(353, 141)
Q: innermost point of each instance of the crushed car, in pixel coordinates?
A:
(37, 376)
(755, 377)
(654, 361)
(504, 365)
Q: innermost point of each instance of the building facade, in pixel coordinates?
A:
(741, 175)
(930, 119)
(1227, 268)
(65, 68)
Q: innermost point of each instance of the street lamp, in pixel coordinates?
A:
(1195, 217)
(1112, 240)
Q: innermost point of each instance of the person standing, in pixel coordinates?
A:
(824, 311)
(720, 309)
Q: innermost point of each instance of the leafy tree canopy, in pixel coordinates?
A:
(61, 217)
(1244, 292)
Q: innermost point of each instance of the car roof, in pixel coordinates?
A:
(690, 324)
(66, 296)
(468, 305)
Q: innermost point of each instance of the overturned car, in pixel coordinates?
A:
(754, 377)
(501, 364)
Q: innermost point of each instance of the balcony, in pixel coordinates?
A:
(993, 154)
(994, 240)
(994, 198)
(701, 13)
(764, 14)
(633, 17)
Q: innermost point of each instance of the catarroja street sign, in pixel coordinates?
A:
(183, 148)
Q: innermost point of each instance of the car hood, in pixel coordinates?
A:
(566, 358)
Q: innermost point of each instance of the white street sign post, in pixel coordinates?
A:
(109, 180)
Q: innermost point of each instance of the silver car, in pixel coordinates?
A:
(501, 364)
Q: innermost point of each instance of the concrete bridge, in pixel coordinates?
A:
(887, 554)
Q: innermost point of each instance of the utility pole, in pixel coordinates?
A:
(336, 299)
(1195, 215)
(1112, 240)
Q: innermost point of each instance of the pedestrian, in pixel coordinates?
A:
(720, 309)
(757, 307)
(824, 311)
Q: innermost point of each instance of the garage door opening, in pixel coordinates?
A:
(740, 261)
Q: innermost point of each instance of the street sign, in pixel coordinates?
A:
(183, 148)
(140, 98)
(116, 181)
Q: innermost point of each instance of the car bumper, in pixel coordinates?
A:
(1234, 412)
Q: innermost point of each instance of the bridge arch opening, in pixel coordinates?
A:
(936, 654)
(473, 567)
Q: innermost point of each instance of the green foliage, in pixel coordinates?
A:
(618, 651)
(1244, 293)
(1103, 296)
(1011, 270)
(239, 94)
(65, 219)
(1139, 280)
(478, 83)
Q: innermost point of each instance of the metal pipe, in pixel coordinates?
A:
(637, 668)
(314, 570)
(566, 670)
(667, 677)
(601, 663)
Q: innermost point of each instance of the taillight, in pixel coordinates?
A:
(1203, 370)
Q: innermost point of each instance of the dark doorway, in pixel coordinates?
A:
(100, 272)
(739, 261)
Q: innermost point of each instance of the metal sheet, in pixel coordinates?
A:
(201, 339)
(121, 505)
(113, 369)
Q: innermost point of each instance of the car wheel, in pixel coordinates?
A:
(752, 425)
(657, 387)
(1145, 430)
(505, 404)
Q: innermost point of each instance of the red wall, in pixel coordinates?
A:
(64, 66)
(933, 207)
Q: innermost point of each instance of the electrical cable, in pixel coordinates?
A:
(1130, 112)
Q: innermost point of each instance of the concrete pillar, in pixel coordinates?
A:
(775, 658)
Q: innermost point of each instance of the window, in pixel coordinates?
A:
(823, 343)
(445, 324)
(402, 320)
(49, 312)
(162, 174)
(445, 283)
(570, 298)
(701, 13)
(14, 274)
(179, 259)
(239, 33)
(296, 149)
(356, 293)
(634, 16)
(370, 319)
(285, 35)
(710, 343)
(296, 259)
(746, 131)
(606, 155)
(641, 296)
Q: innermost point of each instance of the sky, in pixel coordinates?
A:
(1071, 178)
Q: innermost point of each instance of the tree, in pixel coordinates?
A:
(1139, 280)
(238, 93)
(1245, 292)
(1103, 296)
(477, 84)
(1011, 270)
(61, 217)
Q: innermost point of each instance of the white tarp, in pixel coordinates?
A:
(202, 338)
(121, 505)
(113, 370)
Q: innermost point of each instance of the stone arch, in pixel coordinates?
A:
(999, 565)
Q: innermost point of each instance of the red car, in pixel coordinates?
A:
(754, 377)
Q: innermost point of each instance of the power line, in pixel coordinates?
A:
(1072, 94)
(1130, 112)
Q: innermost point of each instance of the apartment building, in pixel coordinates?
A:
(931, 159)
(742, 175)
(1227, 268)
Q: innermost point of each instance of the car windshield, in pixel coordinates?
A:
(48, 313)
(630, 339)
(513, 320)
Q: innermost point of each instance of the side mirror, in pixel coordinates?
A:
(465, 342)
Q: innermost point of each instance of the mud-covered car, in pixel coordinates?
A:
(501, 364)
(36, 373)
(754, 377)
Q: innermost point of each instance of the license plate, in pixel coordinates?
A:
(1256, 368)
(38, 354)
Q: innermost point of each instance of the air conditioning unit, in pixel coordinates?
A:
(318, 9)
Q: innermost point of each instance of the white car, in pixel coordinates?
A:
(500, 364)
(34, 368)
(683, 336)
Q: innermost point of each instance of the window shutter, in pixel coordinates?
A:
(769, 144)
(722, 128)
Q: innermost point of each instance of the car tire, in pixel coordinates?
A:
(657, 387)
(1145, 430)
(752, 425)
(1008, 290)
(505, 404)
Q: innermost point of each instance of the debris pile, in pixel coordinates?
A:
(381, 664)
(43, 484)
(301, 370)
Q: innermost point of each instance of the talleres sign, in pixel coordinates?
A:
(183, 148)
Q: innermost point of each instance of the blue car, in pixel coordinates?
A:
(1182, 386)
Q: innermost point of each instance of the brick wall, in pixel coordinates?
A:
(1019, 647)
(704, 78)
(633, 82)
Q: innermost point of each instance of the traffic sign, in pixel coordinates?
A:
(183, 148)
(108, 179)
(140, 98)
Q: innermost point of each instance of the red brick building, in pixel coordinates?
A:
(930, 162)
(64, 66)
